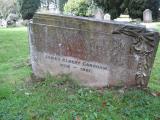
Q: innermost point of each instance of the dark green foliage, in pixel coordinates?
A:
(28, 8)
(113, 7)
(135, 7)
(153, 5)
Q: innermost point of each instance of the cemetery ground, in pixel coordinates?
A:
(59, 98)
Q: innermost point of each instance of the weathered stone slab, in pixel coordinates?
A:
(96, 53)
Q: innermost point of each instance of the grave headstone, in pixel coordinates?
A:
(3, 23)
(107, 17)
(95, 53)
(99, 15)
(147, 16)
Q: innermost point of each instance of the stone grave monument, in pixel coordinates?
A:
(147, 16)
(99, 15)
(95, 53)
(107, 17)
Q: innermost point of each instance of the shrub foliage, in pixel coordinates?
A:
(135, 7)
(28, 8)
(153, 5)
(113, 7)
(84, 7)
(79, 7)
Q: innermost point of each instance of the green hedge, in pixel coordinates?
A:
(79, 7)
(28, 8)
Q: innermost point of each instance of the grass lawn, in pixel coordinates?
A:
(57, 99)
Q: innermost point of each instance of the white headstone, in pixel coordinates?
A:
(107, 17)
(99, 14)
(3, 23)
(147, 16)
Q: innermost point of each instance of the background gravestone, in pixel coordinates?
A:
(3, 23)
(99, 15)
(107, 17)
(147, 16)
(95, 53)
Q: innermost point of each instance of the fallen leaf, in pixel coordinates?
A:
(104, 104)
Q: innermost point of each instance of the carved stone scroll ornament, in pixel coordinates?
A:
(142, 47)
